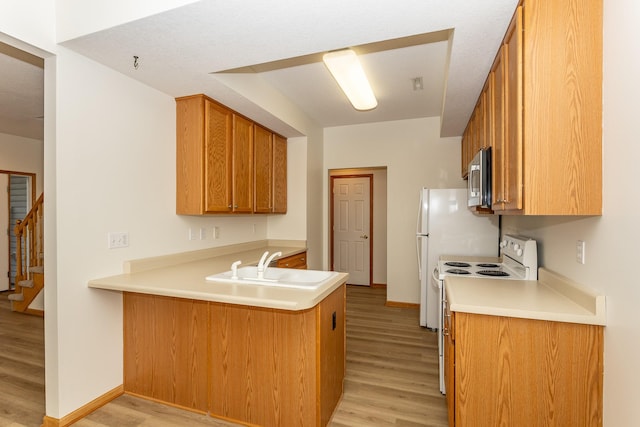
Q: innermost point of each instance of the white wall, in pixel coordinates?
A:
(293, 225)
(18, 154)
(415, 157)
(611, 240)
(115, 171)
(29, 25)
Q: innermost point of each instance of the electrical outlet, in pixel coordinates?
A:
(118, 239)
(193, 234)
(580, 249)
(203, 233)
(216, 233)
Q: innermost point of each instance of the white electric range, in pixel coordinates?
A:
(518, 261)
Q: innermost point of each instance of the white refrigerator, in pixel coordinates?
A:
(446, 226)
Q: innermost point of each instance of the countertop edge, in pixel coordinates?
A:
(561, 287)
(315, 296)
(149, 280)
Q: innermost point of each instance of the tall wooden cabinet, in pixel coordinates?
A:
(545, 111)
(225, 163)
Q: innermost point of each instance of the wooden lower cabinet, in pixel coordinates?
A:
(294, 261)
(246, 364)
(521, 372)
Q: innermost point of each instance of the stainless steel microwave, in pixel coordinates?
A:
(479, 179)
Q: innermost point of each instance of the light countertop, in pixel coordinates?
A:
(552, 297)
(183, 276)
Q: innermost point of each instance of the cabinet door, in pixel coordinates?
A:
(513, 114)
(217, 164)
(263, 159)
(279, 174)
(242, 165)
(464, 166)
(449, 366)
(497, 150)
(488, 109)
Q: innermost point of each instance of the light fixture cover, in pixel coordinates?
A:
(346, 69)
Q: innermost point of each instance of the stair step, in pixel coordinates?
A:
(37, 269)
(26, 283)
(15, 297)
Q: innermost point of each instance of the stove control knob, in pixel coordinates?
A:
(503, 243)
(519, 252)
(516, 247)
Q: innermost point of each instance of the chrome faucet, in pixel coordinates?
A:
(264, 262)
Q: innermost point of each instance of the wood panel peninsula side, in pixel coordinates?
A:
(246, 364)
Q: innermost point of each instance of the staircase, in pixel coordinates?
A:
(29, 260)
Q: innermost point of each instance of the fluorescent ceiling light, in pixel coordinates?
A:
(346, 69)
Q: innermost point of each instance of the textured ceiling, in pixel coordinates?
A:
(21, 93)
(204, 46)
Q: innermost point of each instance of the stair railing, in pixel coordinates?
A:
(30, 236)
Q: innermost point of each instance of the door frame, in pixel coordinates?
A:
(332, 179)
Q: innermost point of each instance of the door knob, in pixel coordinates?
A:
(364, 236)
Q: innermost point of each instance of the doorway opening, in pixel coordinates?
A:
(358, 224)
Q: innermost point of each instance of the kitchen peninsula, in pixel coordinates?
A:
(246, 353)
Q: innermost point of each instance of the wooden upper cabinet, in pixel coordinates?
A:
(279, 174)
(497, 77)
(263, 163)
(217, 158)
(509, 163)
(547, 123)
(203, 156)
(242, 165)
(225, 163)
(270, 172)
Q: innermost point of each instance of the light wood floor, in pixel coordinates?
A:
(391, 377)
(21, 367)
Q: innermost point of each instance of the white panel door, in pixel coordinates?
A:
(352, 228)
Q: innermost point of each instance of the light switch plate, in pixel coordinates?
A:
(119, 239)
